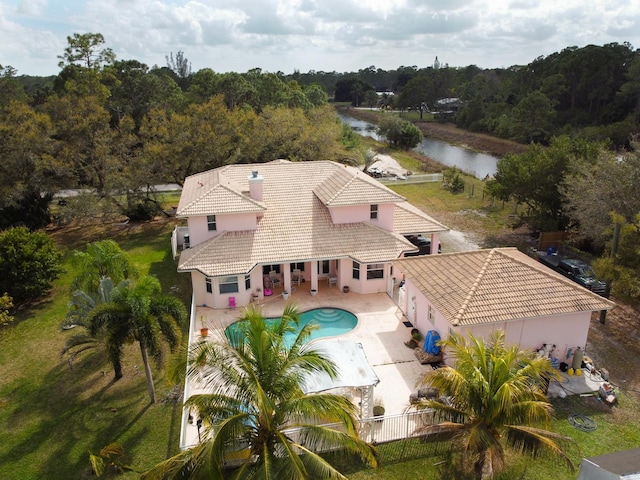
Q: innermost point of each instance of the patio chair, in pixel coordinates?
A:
(332, 279)
(296, 277)
(274, 279)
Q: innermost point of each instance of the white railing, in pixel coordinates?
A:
(178, 239)
(424, 178)
(375, 430)
(385, 429)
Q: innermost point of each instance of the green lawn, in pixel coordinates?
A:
(51, 416)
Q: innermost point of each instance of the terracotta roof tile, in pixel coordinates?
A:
(296, 225)
(410, 219)
(349, 186)
(496, 285)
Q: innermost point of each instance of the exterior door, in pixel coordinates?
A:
(323, 268)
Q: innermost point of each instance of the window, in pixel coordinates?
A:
(299, 266)
(356, 270)
(247, 282)
(373, 214)
(267, 268)
(207, 282)
(211, 223)
(430, 314)
(229, 285)
(375, 270)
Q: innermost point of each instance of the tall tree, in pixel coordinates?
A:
(181, 67)
(496, 398)
(254, 392)
(30, 171)
(532, 118)
(534, 178)
(11, 88)
(86, 55)
(140, 314)
(598, 186)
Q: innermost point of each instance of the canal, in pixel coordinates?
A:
(477, 164)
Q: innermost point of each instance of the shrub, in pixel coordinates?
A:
(29, 262)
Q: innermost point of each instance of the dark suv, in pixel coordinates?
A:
(423, 244)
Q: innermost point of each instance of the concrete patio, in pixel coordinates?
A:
(380, 331)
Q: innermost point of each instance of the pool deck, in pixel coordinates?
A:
(380, 331)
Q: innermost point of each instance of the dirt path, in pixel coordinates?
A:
(479, 142)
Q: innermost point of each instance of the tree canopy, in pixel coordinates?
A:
(495, 399)
(253, 382)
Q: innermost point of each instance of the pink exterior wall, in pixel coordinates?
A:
(362, 213)
(218, 300)
(199, 233)
(362, 284)
(563, 331)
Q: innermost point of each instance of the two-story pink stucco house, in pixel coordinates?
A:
(263, 229)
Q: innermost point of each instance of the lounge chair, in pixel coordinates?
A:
(274, 279)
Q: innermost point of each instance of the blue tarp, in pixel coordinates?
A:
(431, 343)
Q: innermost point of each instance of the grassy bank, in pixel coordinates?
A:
(52, 416)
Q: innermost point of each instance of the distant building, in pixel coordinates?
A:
(436, 64)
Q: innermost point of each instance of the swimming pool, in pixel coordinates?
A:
(331, 322)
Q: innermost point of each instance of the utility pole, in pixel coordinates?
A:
(614, 250)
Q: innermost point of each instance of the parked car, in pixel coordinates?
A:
(423, 244)
(576, 270)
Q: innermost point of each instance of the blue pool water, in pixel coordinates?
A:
(330, 321)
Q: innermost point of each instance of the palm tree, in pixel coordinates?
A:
(254, 378)
(103, 258)
(494, 399)
(81, 305)
(139, 314)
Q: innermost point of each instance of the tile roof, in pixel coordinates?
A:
(210, 193)
(496, 285)
(296, 225)
(349, 186)
(410, 219)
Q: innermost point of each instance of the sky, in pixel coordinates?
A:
(320, 35)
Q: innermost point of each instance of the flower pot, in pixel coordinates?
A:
(285, 295)
(345, 289)
(204, 331)
(314, 292)
(378, 413)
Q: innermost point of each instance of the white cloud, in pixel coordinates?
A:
(341, 35)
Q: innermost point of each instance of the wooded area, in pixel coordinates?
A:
(115, 127)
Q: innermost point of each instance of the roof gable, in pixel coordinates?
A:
(213, 193)
(348, 186)
(295, 225)
(488, 286)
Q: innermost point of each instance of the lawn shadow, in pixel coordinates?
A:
(55, 412)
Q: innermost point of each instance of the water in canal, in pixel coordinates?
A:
(479, 165)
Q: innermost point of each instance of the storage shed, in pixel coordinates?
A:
(623, 465)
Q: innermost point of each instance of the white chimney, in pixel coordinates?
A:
(255, 185)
